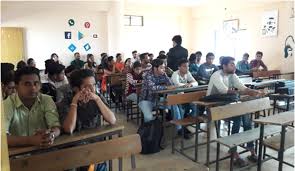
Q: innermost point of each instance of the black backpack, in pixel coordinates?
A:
(228, 98)
(151, 134)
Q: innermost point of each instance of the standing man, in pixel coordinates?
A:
(176, 53)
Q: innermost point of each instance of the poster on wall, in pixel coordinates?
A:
(230, 26)
(269, 23)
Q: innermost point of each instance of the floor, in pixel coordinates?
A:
(145, 161)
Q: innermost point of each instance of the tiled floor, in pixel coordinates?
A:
(143, 161)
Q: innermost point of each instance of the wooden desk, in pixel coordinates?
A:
(279, 143)
(62, 141)
(264, 83)
(181, 89)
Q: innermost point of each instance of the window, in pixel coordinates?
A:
(132, 20)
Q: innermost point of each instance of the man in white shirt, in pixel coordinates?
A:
(226, 81)
(183, 78)
(134, 56)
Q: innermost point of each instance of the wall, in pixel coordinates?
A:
(208, 19)
(161, 23)
(44, 25)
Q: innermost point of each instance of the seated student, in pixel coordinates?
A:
(162, 52)
(31, 62)
(145, 61)
(243, 65)
(54, 57)
(21, 64)
(134, 56)
(151, 57)
(7, 84)
(168, 70)
(79, 64)
(226, 81)
(31, 117)
(82, 108)
(127, 66)
(207, 69)
(154, 80)
(134, 77)
(193, 66)
(63, 90)
(56, 75)
(182, 77)
(90, 64)
(257, 62)
(119, 64)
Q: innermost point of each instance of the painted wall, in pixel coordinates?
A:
(206, 24)
(44, 25)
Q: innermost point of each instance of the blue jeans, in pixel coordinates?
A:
(132, 97)
(247, 125)
(147, 107)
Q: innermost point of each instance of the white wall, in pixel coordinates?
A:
(44, 26)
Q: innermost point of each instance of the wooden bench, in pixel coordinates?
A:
(279, 143)
(178, 99)
(235, 110)
(174, 165)
(266, 74)
(80, 155)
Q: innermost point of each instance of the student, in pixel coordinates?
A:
(90, 64)
(151, 57)
(145, 62)
(21, 64)
(226, 81)
(183, 78)
(193, 66)
(54, 57)
(176, 53)
(134, 77)
(7, 83)
(257, 62)
(82, 108)
(31, 62)
(119, 64)
(79, 64)
(31, 117)
(56, 75)
(243, 65)
(127, 65)
(220, 59)
(154, 80)
(134, 56)
(168, 70)
(207, 69)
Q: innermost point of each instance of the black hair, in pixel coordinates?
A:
(30, 60)
(77, 77)
(177, 39)
(76, 53)
(126, 60)
(142, 56)
(192, 58)
(226, 60)
(199, 53)
(246, 54)
(150, 54)
(118, 54)
(69, 69)
(136, 64)
(135, 51)
(182, 61)
(7, 77)
(6, 67)
(55, 68)
(110, 58)
(103, 54)
(209, 54)
(162, 52)
(25, 71)
(259, 53)
(162, 57)
(157, 62)
(54, 54)
(48, 62)
(21, 64)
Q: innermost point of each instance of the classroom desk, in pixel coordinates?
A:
(283, 120)
(263, 83)
(103, 132)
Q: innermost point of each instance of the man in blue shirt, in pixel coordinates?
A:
(243, 65)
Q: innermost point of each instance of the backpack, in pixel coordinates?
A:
(221, 97)
(151, 134)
